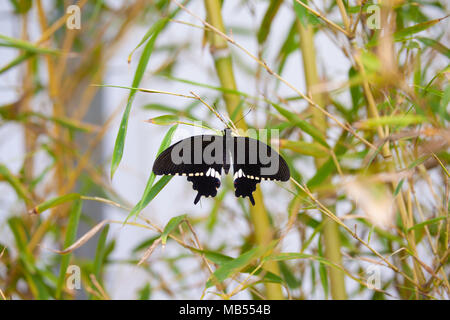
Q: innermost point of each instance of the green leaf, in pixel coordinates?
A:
(216, 257)
(16, 184)
(145, 244)
(322, 174)
(302, 124)
(21, 238)
(150, 195)
(145, 292)
(62, 121)
(266, 23)
(289, 46)
(425, 223)
(149, 192)
(170, 119)
(445, 103)
(215, 88)
(24, 45)
(322, 271)
(355, 90)
(306, 148)
(288, 276)
(160, 107)
(304, 15)
(399, 187)
(16, 61)
(400, 121)
(100, 252)
(172, 224)
(21, 6)
(71, 233)
(165, 120)
(229, 268)
(439, 47)
(54, 202)
(142, 65)
(409, 31)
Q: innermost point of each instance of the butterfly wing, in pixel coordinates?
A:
(199, 158)
(253, 162)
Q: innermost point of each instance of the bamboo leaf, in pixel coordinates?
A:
(231, 267)
(227, 269)
(439, 47)
(54, 202)
(71, 233)
(148, 194)
(15, 183)
(172, 224)
(142, 65)
(425, 223)
(400, 121)
(16, 61)
(304, 15)
(165, 120)
(306, 148)
(302, 124)
(100, 252)
(399, 187)
(100, 255)
(266, 23)
(25, 45)
(409, 31)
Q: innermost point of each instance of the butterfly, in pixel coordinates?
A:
(202, 158)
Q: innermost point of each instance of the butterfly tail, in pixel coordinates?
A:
(197, 198)
(250, 196)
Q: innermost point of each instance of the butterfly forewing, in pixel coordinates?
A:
(200, 158)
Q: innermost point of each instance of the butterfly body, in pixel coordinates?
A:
(202, 158)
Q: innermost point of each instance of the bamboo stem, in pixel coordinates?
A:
(344, 15)
(223, 63)
(331, 231)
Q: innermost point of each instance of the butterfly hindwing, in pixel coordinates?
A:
(206, 184)
(244, 186)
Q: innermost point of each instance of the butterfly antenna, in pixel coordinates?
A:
(212, 109)
(250, 110)
(222, 118)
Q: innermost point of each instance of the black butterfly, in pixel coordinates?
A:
(201, 158)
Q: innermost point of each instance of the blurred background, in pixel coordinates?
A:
(357, 89)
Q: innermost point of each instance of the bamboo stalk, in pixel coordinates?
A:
(331, 231)
(30, 136)
(223, 63)
(344, 15)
